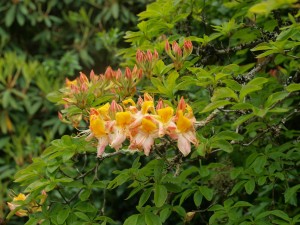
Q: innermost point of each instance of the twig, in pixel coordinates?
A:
(249, 76)
(202, 123)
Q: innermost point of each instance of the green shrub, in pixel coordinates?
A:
(241, 88)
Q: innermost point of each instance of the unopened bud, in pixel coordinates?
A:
(60, 116)
(181, 104)
(83, 78)
(167, 47)
(149, 56)
(155, 54)
(128, 73)
(187, 48)
(177, 50)
(139, 56)
(108, 73)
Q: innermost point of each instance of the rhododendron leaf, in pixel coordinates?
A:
(160, 195)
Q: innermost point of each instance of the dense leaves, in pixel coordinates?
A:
(242, 83)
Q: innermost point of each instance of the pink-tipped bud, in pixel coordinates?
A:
(140, 101)
(147, 97)
(108, 73)
(139, 56)
(149, 56)
(74, 89)
(176, 49)
(167, 47)
(128, 73)
(160, 104)
(93, 77)
(83, 78)
(114, 108)
(187, 47)
(181, 104)
(84, 87)
(155, 54)
(60, 116)
(118, 74)
(140, 74)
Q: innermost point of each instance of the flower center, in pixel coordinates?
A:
(183, 123)
(148, 126)
(165, 114)
(97, 126)
(123, 118)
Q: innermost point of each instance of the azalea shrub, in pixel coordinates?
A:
(199, 125)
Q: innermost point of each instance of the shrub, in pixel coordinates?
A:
(213, 140)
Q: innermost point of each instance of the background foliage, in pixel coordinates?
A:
(242, 82)
(42, 43)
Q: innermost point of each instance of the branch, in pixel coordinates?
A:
(249, 76)
(211, 116)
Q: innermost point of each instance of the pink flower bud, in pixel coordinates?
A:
(181, 104)
(160, 104)
(155, 54)
(83, 78)
(149, 56)
(167, 47)
(108, 73)
(177, 50)
(140, 74)
(118, 74)
(187, 47)
(60, 116)
(147, 97)
(128, 73)
(84, 87)
(139, 56)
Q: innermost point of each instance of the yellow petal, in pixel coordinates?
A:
(148, 125)
(183, 123)
(146, 106)
(103, 110)
(123, 118)
(165, 114)
(97, 126)
(20, 197)
(127, 101)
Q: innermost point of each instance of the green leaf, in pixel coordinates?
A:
(164, 214)
(223, 145)
(144, 197)
(32, 221)
(115, 10)
(250, 186)
(277, 213)
(242, 119)
(198, 198)
(275, 98)
(259, 163)
(62, 215)
(215, 104)
(82, 216)
(152, 219)
(290, 194)
(237, 186)
(227, 135)
(84, 195)
(206, 192)
(293, 87)
(248, 89)
(10, 15)
(225, 92)
(132, 220)
(160, 195)
(242, 204)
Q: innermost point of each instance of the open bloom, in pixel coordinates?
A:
(145, 135)
(12, 205)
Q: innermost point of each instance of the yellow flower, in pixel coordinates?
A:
(165, 114)
(97, 126)
(183, 123)
(148, 126)
(123, 118)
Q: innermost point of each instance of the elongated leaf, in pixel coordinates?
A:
(160, 195)
(215, 105)
(250, 186)
(293, 87)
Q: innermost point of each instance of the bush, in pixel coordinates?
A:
(212, 139)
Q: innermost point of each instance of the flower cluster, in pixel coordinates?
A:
(141, 123)
(177, 54)
(31, 207)
(146, 61)
(83, 90)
